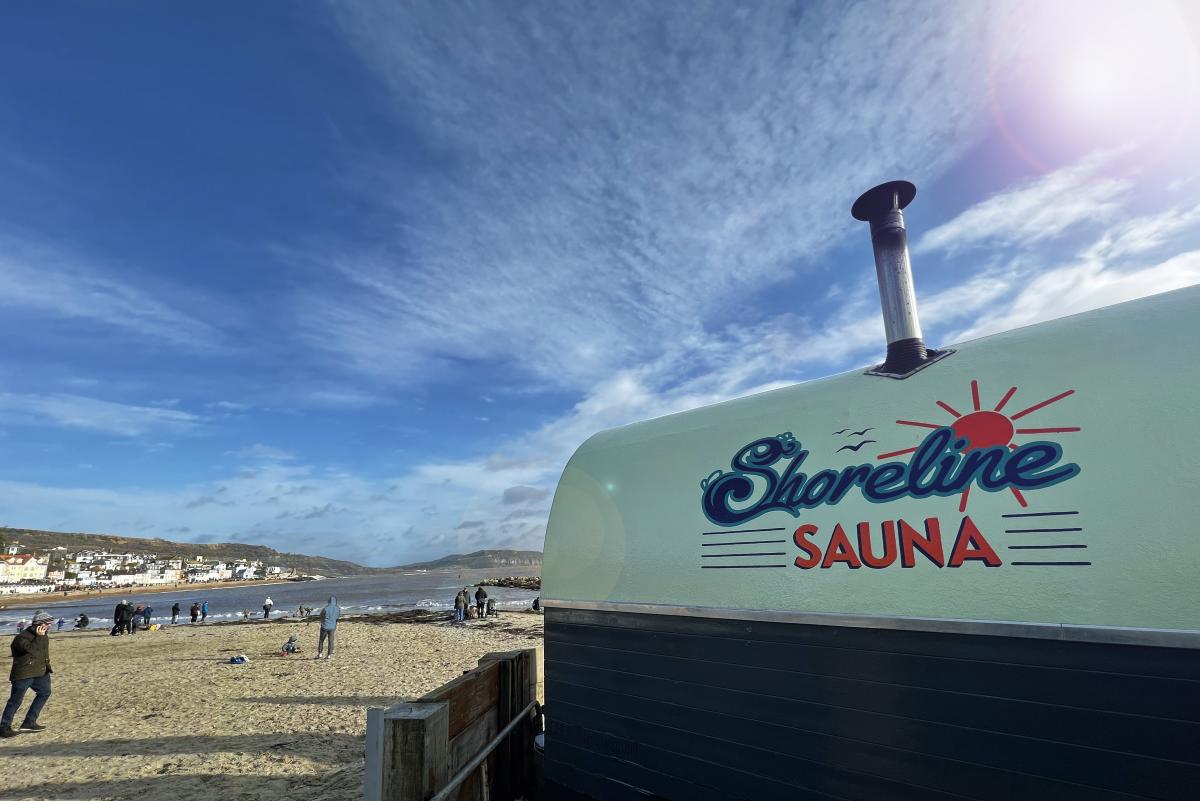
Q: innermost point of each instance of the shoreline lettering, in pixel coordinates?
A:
(765, 476)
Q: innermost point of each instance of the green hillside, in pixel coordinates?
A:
(480, 559)
(42, 541)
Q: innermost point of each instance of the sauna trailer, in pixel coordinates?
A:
(967, 573)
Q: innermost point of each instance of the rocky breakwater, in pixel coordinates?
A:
(514, 582)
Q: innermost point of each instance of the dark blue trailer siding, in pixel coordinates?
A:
(683, 708)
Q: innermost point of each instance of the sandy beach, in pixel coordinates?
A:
(162, 716)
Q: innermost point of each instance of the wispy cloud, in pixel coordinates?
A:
(1035, 211)
(36, 279)
(1081, 287)
(76, 411)
(261, 452)
(1146, 233)
(638, 192)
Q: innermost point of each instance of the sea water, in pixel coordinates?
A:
(356, 595)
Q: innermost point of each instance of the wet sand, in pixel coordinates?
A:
(162, 716)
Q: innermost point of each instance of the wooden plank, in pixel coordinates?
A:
(470, 696)
(373, 769)
(464, 747)
(502, 763)
(415, 751)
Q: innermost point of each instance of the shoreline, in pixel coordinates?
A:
(26, 601)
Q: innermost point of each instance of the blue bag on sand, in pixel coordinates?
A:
(237, 660)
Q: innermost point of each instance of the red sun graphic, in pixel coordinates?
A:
(987, 428)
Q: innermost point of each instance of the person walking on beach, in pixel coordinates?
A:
(61, 623)
(204, 611)
(82, 621)
(146, 616)
(174, 613)
(460, 607)
(30, 669)
(195, 611)
(134, 618)
(267, 604)
(480, 601)
(329, 618)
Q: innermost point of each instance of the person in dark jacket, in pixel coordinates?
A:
(135, 617)
(121, 616)
(480, 601)
(82, 621)
(146, 616)
(174, 613)
(460, 606)
(195, 611)
(30, 669)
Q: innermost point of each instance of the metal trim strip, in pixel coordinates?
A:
(1113, 635)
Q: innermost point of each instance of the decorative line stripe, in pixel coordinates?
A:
(734, 567)
(1041, 405)
(1004, 400)
(741, 542)
(1037, 530)
(743, 531)
(736, 555)
(1058, 564)
(1161, 638)
(1038, 514)
(1040, 547)
(949, 408)
(890, 454)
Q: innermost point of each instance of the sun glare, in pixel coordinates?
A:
(1099, 75)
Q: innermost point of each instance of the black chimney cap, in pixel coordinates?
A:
(877, 201)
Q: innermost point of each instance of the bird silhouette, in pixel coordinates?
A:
(843, 431)
(854, 447)
(860, 433)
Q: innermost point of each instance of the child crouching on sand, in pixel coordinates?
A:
(290, 647)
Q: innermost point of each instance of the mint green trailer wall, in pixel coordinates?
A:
(628, 525)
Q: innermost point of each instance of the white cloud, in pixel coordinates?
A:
(259, 451)
(76, 411)
(41, 280)
(1146, 233)
(1081, 287)
(1033, 212)
(637, 192)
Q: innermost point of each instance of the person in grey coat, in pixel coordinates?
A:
(329, 618)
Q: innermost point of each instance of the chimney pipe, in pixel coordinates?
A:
(883, 208)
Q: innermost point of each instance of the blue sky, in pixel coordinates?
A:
(355, 279)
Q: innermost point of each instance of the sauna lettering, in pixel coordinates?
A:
(895, 540)
(766, 476)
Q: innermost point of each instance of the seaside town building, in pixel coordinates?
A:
(22, 567)
(61, 569)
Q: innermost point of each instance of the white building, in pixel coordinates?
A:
(22, 567)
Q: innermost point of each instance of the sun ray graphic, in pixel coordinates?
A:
(987, 428)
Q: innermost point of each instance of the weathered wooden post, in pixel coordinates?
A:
(407, 751)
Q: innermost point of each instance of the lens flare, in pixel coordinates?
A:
(1070, 78)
